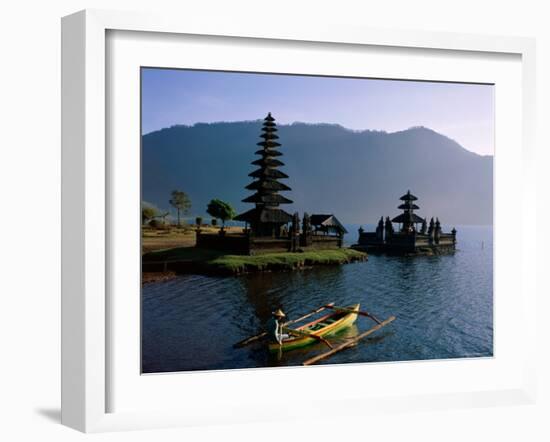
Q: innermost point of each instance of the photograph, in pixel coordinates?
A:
(297, 219)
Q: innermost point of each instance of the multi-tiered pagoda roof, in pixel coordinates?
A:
(408, 217)
(266, 182)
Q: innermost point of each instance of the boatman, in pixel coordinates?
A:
(275, 326)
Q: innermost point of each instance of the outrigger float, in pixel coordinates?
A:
(319, 329)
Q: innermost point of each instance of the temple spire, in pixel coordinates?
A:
(266, 218)
(267, 175)
(408, 219)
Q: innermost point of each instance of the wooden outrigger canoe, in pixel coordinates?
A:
(317, 330)
(314, 331)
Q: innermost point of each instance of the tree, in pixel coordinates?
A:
(181, 202)
(222, 210)
(198, 221)
(148, 212)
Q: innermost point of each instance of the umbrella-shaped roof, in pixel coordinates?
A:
(268, 143)
(268, 153)
(265, 215)
(268, 198)
(408, 197)
(268, 162)
(407, 217)
(267, 184)
(268, 172)
(408, 206)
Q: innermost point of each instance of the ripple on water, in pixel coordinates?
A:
(443, 304)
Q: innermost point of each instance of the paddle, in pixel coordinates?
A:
(264, 334)
(307, 335)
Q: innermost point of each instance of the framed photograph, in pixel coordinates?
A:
(247, 207)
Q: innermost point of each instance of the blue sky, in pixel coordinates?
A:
(463, 112)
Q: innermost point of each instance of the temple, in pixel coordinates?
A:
(269, 228)
(266, 218)
(408, 238)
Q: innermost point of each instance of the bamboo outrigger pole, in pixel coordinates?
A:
(347, 310)
(349, 343)
(263, 334)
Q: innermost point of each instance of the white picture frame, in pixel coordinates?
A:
(86, 315)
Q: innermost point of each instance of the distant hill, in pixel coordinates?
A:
(358, 176)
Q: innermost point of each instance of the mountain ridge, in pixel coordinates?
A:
(303, 123)
(357, 175)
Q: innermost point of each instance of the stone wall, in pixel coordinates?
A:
(259, 246)
(325, 242)
(402, 243)
(245, 245)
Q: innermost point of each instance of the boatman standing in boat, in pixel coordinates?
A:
(275, 326)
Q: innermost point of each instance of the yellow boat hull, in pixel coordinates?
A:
(325, 326)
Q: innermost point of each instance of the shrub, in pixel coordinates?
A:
(158, 224)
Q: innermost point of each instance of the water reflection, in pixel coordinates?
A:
(443, 306)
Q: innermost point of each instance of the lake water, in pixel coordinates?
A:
(443, 305)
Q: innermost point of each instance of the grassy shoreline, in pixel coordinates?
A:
(194, 260)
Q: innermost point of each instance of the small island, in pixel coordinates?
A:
(212, 262)
(271, 240)
(408, 240)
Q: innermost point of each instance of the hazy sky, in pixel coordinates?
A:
(463, 112)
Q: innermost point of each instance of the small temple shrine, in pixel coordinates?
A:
(413, 234)
(269, 228)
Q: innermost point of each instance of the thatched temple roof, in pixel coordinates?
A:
(408, 197)
(265, 215)
(268, 172)
(409, 206)
(407, 218)
(267, 185)
(268, 198)
(327, 221)
(266, 182)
